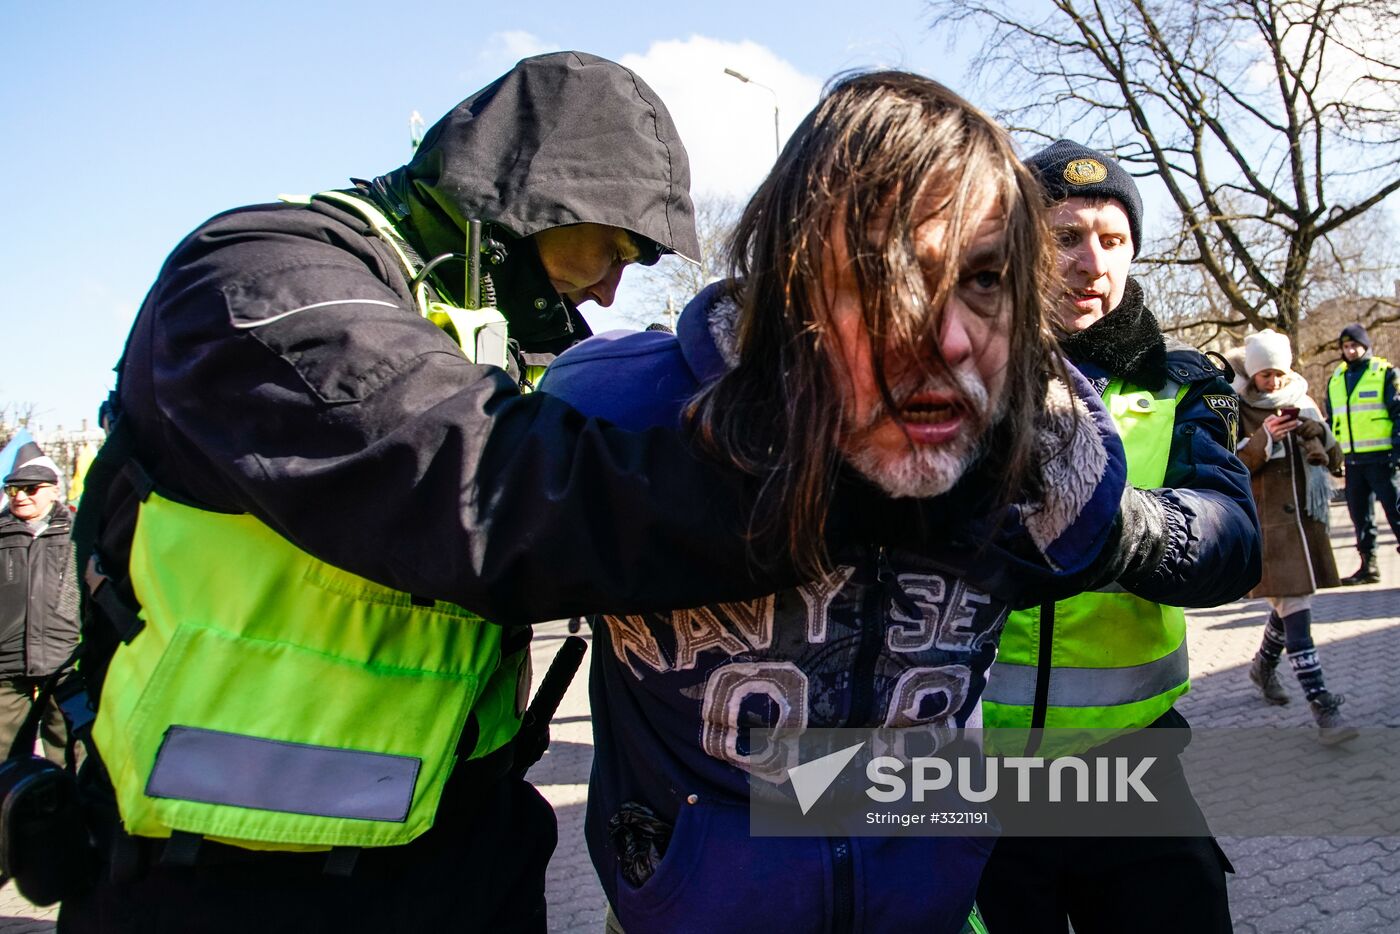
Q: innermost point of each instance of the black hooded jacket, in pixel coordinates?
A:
(279, 367)
(559, 139)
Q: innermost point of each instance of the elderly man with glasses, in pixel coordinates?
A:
(38, 594)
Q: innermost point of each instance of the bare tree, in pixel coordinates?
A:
(672, 282)
(13, 417)
(1359, 263)
(1272, 124)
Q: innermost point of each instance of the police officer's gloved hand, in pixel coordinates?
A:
(1141, 542)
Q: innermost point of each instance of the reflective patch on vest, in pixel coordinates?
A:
(1370, 394)
(249, 772)
(1015, 684)
(1228, 408)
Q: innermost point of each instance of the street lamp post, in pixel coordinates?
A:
(747, 80)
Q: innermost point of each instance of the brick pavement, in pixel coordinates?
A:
(1340, 885)
(1283, 885)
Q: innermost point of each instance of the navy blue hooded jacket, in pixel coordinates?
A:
(896, 635)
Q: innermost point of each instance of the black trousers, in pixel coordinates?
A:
(480, 868)
(1109, 885)
(1368, 481)
(17, 694)
(1105, 885)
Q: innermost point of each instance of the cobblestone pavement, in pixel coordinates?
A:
(1283, 885)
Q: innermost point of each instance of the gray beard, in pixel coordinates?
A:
(923, 471)
(921, 474)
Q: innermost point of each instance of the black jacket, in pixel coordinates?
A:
(279, 367)
(1212, 552)
(38, 591)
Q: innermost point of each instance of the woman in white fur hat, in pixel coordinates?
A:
(1290, 451)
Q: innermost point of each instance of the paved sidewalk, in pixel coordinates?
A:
(1283, 885)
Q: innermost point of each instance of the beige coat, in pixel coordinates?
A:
(1297, 551)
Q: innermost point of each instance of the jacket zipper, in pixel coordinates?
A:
(872, 636)
(1296, 473)
(1346, 401)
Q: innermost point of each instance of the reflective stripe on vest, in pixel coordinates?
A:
(273, 701)
(1087, 687)
(1359, 420)
(1116, 661)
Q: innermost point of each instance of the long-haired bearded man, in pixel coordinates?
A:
(883, 326)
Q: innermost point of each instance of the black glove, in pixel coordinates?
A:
(1141, 541)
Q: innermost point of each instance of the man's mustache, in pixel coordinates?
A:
(970, 399)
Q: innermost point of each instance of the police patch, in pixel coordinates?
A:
(1085, 172)
(1228, 408)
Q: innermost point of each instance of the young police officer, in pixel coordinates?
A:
(1115, 660)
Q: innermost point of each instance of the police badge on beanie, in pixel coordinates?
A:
(1068, 170)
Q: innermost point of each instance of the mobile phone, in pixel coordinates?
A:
(1289, 411)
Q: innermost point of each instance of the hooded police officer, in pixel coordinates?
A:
(315, 497)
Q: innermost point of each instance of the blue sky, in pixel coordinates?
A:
(126, 124)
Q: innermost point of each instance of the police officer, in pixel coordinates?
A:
(1116, 660)
(1363, 403)
(304, 720)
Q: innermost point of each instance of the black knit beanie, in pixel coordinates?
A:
(1355, 332)
(1069, 170)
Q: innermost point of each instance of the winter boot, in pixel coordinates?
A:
(1368, 573)
(1264, 673)
(1332, 727)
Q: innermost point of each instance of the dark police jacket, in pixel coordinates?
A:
(1213, 543)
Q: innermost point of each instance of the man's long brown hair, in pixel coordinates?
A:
(877, 151)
